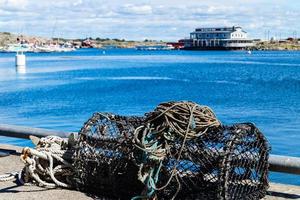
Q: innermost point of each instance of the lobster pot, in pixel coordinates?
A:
(103, 161)
(226, 163)
(191, 155)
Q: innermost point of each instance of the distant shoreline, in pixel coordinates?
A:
(9, 38)
(106, 43)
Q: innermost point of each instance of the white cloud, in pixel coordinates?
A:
(136, 9)
(137, 19)
(14, 4)
(77, 3)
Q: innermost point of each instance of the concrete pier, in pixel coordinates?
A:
(10, 191)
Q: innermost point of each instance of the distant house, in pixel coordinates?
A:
(87, 43)
(218, 38)
(177, 45)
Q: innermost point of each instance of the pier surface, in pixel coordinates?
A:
(10, 191)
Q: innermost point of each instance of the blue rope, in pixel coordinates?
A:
(151, 183)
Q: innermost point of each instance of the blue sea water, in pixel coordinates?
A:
(61, 90)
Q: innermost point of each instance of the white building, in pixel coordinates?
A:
(218, 38)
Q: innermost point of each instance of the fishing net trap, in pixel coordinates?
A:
(190, 155)
(178, 151)
(103, 161)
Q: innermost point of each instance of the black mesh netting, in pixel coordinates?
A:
(180, 150)
(103, 160)
(230, 163)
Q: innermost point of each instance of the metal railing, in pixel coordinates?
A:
(283, 164)
(25, 132)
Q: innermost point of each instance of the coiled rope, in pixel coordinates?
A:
(49, 164)
(170, 122)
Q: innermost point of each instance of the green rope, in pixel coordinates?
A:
(152, 140)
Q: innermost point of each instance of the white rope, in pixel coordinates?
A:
(8, 177)
(47, 164)
(12, 176)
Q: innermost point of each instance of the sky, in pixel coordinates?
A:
(167, 20)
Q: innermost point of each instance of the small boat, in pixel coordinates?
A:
(154, 47)
(12, 48)
(53, 48)
(249, 52)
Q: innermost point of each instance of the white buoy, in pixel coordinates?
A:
(20, 61)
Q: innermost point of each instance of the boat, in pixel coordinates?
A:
(53, 48)
(45, 48)
(154, 47)
(13, 48)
